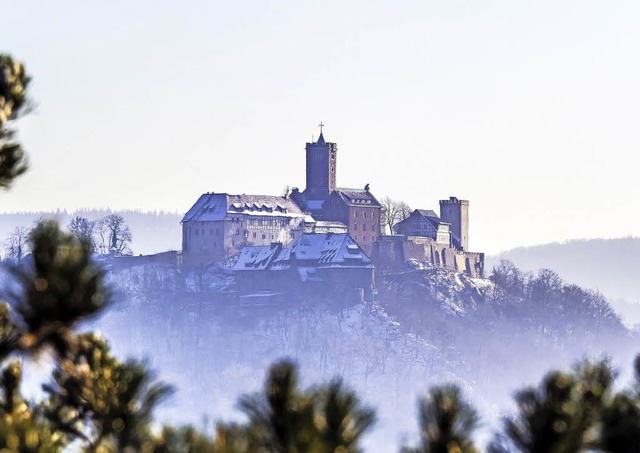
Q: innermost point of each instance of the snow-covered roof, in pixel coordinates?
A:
(256, 257)
(329, 248)
(216, 206)
(313, 249)
(282, 261)
(209, 207)
(357, 197)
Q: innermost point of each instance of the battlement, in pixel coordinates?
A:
(454, 200)
(331, 145)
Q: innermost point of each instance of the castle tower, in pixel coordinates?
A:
(456, 213)
(321, 168)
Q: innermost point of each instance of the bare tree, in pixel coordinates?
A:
(389, 212)
(83, 229)
(394, 212)
(17, 244)
(546, 286)
(404, 211)
(114, 234)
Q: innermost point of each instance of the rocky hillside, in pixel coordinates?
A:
(427, 326)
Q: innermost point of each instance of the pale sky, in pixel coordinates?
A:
(530, 110)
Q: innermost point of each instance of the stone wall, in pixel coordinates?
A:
(391, 253)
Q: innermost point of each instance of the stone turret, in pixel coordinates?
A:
(456, 213)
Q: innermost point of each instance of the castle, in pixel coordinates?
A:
(250, 231)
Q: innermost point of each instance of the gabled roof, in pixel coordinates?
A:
(216, 206)
(282, 261)
(424, 216)
(357, 197)
(209, 207)
(256, 257)
(428, 213)
(434, 220)
(311, 250)
(330, 249)
(320, 140)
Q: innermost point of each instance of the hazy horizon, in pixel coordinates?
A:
(155, 249)
(527, 110)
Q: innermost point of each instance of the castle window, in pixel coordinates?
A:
(364, 214)
(211, 232)
(355, 214)
(373, 214)
(264, 236)
(197, 232)
(254, 235)
(237, 231)
(355, 227)
(233, 243)
(373, 238)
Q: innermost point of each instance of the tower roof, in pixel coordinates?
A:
(320, 139)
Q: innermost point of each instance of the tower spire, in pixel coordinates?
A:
(321, 137)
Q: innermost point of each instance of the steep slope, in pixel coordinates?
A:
(428, 326)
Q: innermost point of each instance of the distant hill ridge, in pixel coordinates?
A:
(607, 265)
(153, 231)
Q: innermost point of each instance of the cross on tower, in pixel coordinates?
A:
(321, 125)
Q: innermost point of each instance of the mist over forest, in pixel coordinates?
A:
(426, 326)
(323, 319)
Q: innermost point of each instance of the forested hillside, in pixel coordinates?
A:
(606, 265)
(427, 327)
